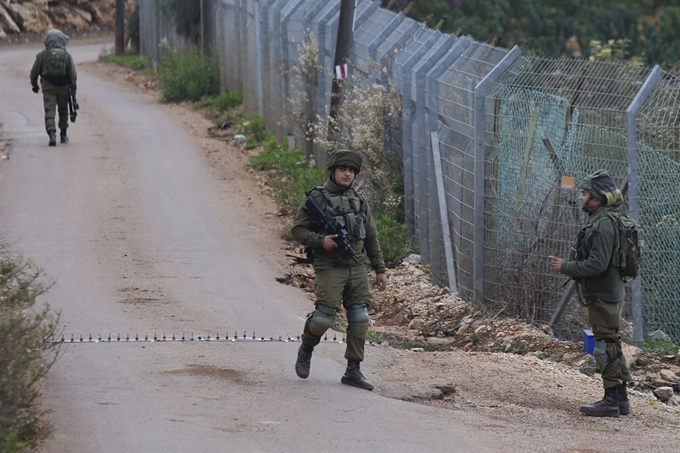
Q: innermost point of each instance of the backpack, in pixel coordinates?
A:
(55, 64)
(628, 251)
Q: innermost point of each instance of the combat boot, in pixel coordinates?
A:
(303, 361)
(53, 138)
(606, 407)
(622, 396)
(63, 136)
(354, 377)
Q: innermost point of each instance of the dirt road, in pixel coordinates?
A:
(146, 227)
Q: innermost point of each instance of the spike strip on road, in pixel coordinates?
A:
(184, 338)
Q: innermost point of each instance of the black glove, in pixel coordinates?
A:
(35, 89)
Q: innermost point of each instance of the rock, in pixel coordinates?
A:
(630, 353)
(663, 393)
(628, 334)
(667, 375)
(38, 16)
(462, 329)
(659, 335)
(674, 401)
(417, 349)
(413, 259)
(480, 329)
(445, 291)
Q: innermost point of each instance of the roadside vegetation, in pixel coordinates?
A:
(26, 354)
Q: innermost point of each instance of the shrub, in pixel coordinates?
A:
(25, 355)
(393, 239)
(254, 129)
(290, 175)
(226, 100)
(186, 75)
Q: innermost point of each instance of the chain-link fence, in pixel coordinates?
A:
(493, 146)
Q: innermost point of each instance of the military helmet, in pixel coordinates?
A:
(601, 185)
(345, 158)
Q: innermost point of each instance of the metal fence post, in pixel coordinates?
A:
(633, 198)
(480, 98)
(258, 59)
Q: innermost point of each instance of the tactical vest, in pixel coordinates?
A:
(348, 210)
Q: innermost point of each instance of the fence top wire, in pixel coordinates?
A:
(596, 85)
(662, 106)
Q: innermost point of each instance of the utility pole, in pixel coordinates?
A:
(343, 47)
(120, 27)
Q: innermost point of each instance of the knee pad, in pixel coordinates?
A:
(322, 319)
(602, 355)
(357, 316)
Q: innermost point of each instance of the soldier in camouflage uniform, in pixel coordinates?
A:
(57, 73)
(339, 280)
(602, 288)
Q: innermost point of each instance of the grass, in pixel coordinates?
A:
(393, 239)
(290, 173)
(187, 75)
(135, 62)
(660, 347)
(225, 101)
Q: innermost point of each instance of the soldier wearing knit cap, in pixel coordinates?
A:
(602, 288)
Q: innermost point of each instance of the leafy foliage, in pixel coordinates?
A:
(224, 101)
(186, 75)
(290, 173)
(25, 355)
(563, 29)
(393, 239)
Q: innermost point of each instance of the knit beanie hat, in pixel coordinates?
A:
(601, 185)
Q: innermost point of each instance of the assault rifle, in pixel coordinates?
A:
(73, 106)
(321, 220)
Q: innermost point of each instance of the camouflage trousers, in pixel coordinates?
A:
(56, 100)
(338, 287)
(605, 321)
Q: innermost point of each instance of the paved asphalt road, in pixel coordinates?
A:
(140, 237)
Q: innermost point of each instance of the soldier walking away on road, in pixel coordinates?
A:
(602, 288)
(58, 77)
(340, 263)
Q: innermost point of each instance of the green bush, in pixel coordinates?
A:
(25, 355)
(660, 347)
(255, 130)
(226, 100)
(290, 173)
(393, 239)
(187, 76)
